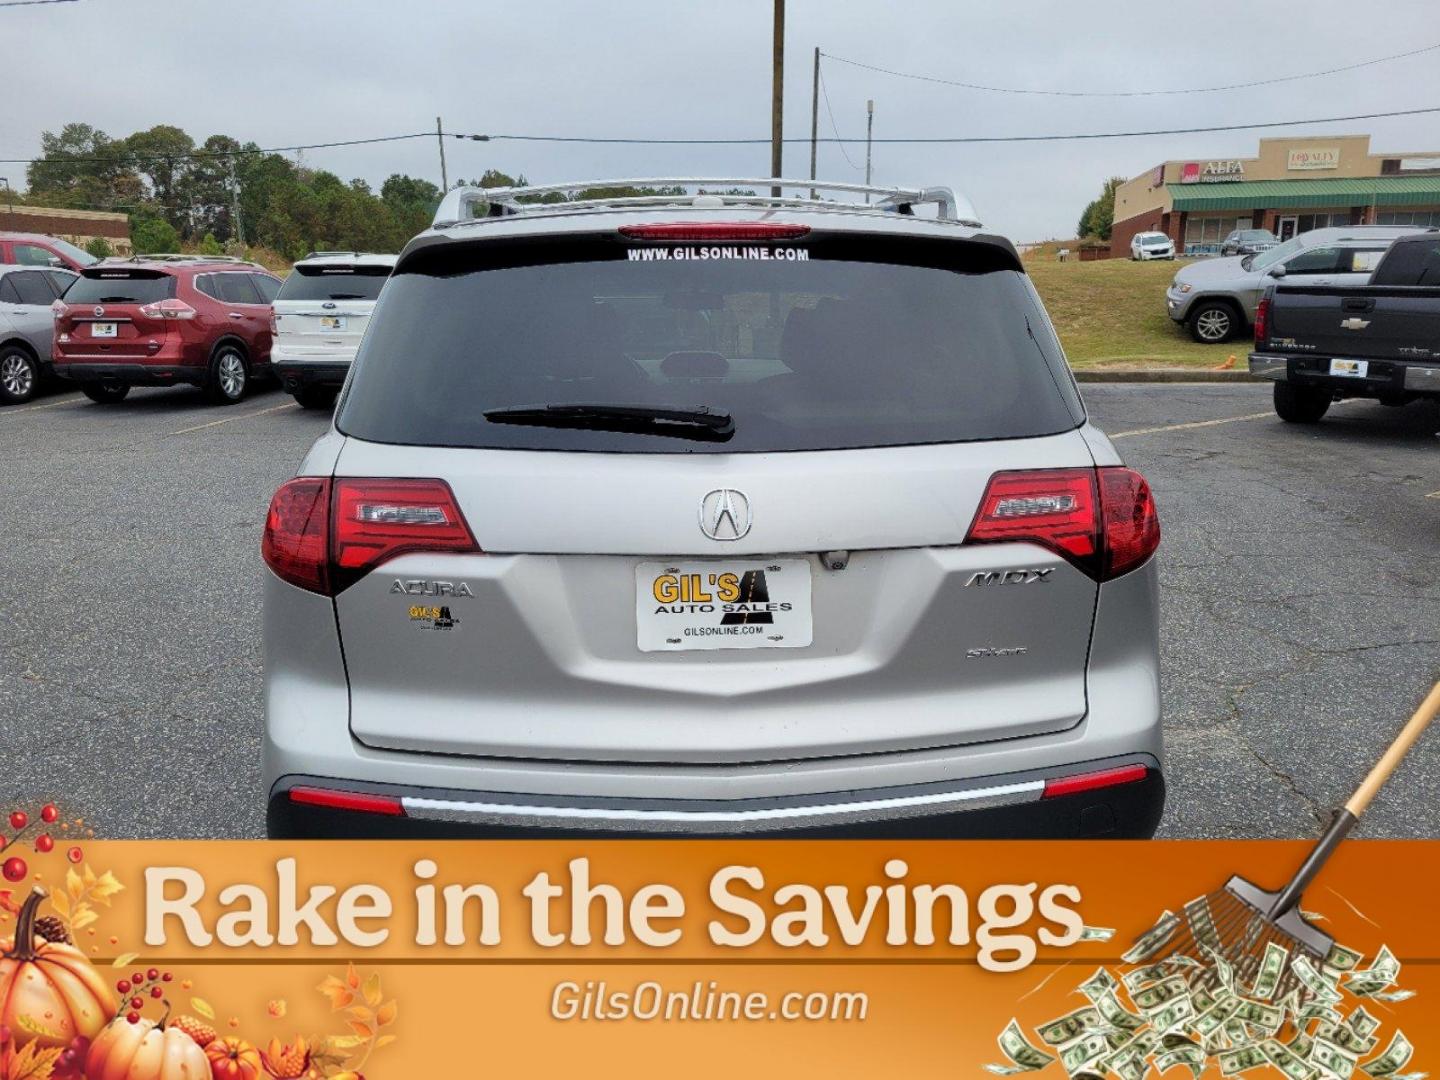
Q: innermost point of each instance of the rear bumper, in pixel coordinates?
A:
(1014, 806)
(1385, 378)
(298, 374)
(133, 373)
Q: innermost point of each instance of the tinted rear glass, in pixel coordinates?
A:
(1413, 262)
(121, 287)
(826, 351)
(334, 283)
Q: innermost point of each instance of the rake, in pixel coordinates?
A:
(1240, 920)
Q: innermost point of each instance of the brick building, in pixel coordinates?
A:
(77, 226)
(1291, 186)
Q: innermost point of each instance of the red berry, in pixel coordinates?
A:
(75, 854)
(137, 1003)
(49, 813)
(15, 869)
(152, 974)
(19, 819)
(166, 977)
(123, 986)
(44, 843)
(156, 992)
(133, 1017)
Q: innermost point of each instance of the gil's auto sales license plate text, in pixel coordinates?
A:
(729, 604)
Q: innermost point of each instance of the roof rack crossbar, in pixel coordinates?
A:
(459, 204)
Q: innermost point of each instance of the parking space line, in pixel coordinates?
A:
(1433, 495)
(232, 419)
(1192, 424)
(75, 400)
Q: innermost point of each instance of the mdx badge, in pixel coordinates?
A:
(725, 514)
(1010, 577)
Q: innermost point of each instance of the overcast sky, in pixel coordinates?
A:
(280, 72)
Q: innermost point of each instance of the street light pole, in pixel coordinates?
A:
(444, 173)
(869, 128)
(777, 97)
(814, 115)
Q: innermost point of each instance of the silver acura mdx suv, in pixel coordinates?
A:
(711, 515)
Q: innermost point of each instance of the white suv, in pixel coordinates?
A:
(1151, 245)
(319, 318)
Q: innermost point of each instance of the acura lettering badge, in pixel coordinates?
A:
(725, 514)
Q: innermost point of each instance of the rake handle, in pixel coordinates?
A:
(1346, 819)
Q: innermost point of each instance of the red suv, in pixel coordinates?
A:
(162, 321)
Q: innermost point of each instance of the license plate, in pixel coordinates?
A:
(104, 329)
(1350, 369)
(332, 322)
(730, 604)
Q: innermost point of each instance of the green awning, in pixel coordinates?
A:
(1296, 194)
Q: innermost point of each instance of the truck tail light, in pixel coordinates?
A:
(325, 535)
(1262, 323)
(168, 309)
(1102, 520)
(274, 324)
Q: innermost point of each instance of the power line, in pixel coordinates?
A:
(833, 126)
(126, 159)
(31, 3)
(937, 140)
(1129, 93)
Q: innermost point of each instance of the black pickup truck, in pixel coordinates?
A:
(1324, 343)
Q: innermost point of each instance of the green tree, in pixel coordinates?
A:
(82, 167)
(161, 157)
(150, 233)
(99, 247)
(1098, 218)
(210, 246)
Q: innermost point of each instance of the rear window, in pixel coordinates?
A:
(1411, 262)
(121, 287)
(334, 283)
(838, 345)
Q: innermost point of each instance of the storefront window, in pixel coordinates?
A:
(1421, 218)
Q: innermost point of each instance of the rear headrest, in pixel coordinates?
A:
(695, 364)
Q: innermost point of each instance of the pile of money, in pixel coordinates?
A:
(1192, 1007)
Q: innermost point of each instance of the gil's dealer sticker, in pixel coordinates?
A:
(723, 605)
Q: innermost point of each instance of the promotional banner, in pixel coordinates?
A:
(853, 958)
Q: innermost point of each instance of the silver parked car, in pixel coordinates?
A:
(27, 324)
(1216, 298)
(711, 515)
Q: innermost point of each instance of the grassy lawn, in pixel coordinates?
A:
(1112, 313)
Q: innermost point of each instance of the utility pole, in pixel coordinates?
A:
(440, 138)
(777, 97)
(869, 128)
(235, 205)
(814, 115)
(9, 194)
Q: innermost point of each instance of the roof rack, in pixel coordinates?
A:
(322, 254)
(168, 256)
(458, 206)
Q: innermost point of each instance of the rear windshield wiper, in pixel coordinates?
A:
(699, 422)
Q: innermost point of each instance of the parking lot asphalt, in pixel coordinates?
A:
(1300, 623)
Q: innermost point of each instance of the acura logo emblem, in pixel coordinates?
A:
(99, 311)
(725, 514)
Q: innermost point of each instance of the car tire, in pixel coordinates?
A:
(1213, 322)
(105, 393)
(229, 376)
(1300, 404)
(19, 375)
(316, 397)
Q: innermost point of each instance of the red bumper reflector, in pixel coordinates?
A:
(1074, 785)
(348, 800)
(713, 232)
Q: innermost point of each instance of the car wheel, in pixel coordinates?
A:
(1300, 404)
(1212, 322)
(316, 397)
(19, 375)
(105, 393)
(229, 377)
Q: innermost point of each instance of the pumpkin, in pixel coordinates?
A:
(233, 1059)
(145, 1050)
(49, 993)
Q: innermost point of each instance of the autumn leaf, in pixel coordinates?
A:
(124, 959)
(386, 1013)
(384, 1040)
(84, 915)
(365, 1031)
(73, 884)
(372, 989)
(344, 1042)
(35, 1027)
(60, 902)
(105, 887)
(352, 977)
(339, 994)
(203, 1007)
(33, 1063)
(360, 1012)
(88, 876)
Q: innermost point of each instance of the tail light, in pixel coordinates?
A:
(357, 801)
(710, 232)
(274, 324)
(1262, 323)
(1058, 786)
(1101, 520)
(168, 309)
(325, 535)
(58, 309)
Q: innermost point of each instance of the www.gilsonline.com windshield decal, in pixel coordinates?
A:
(662, 254)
